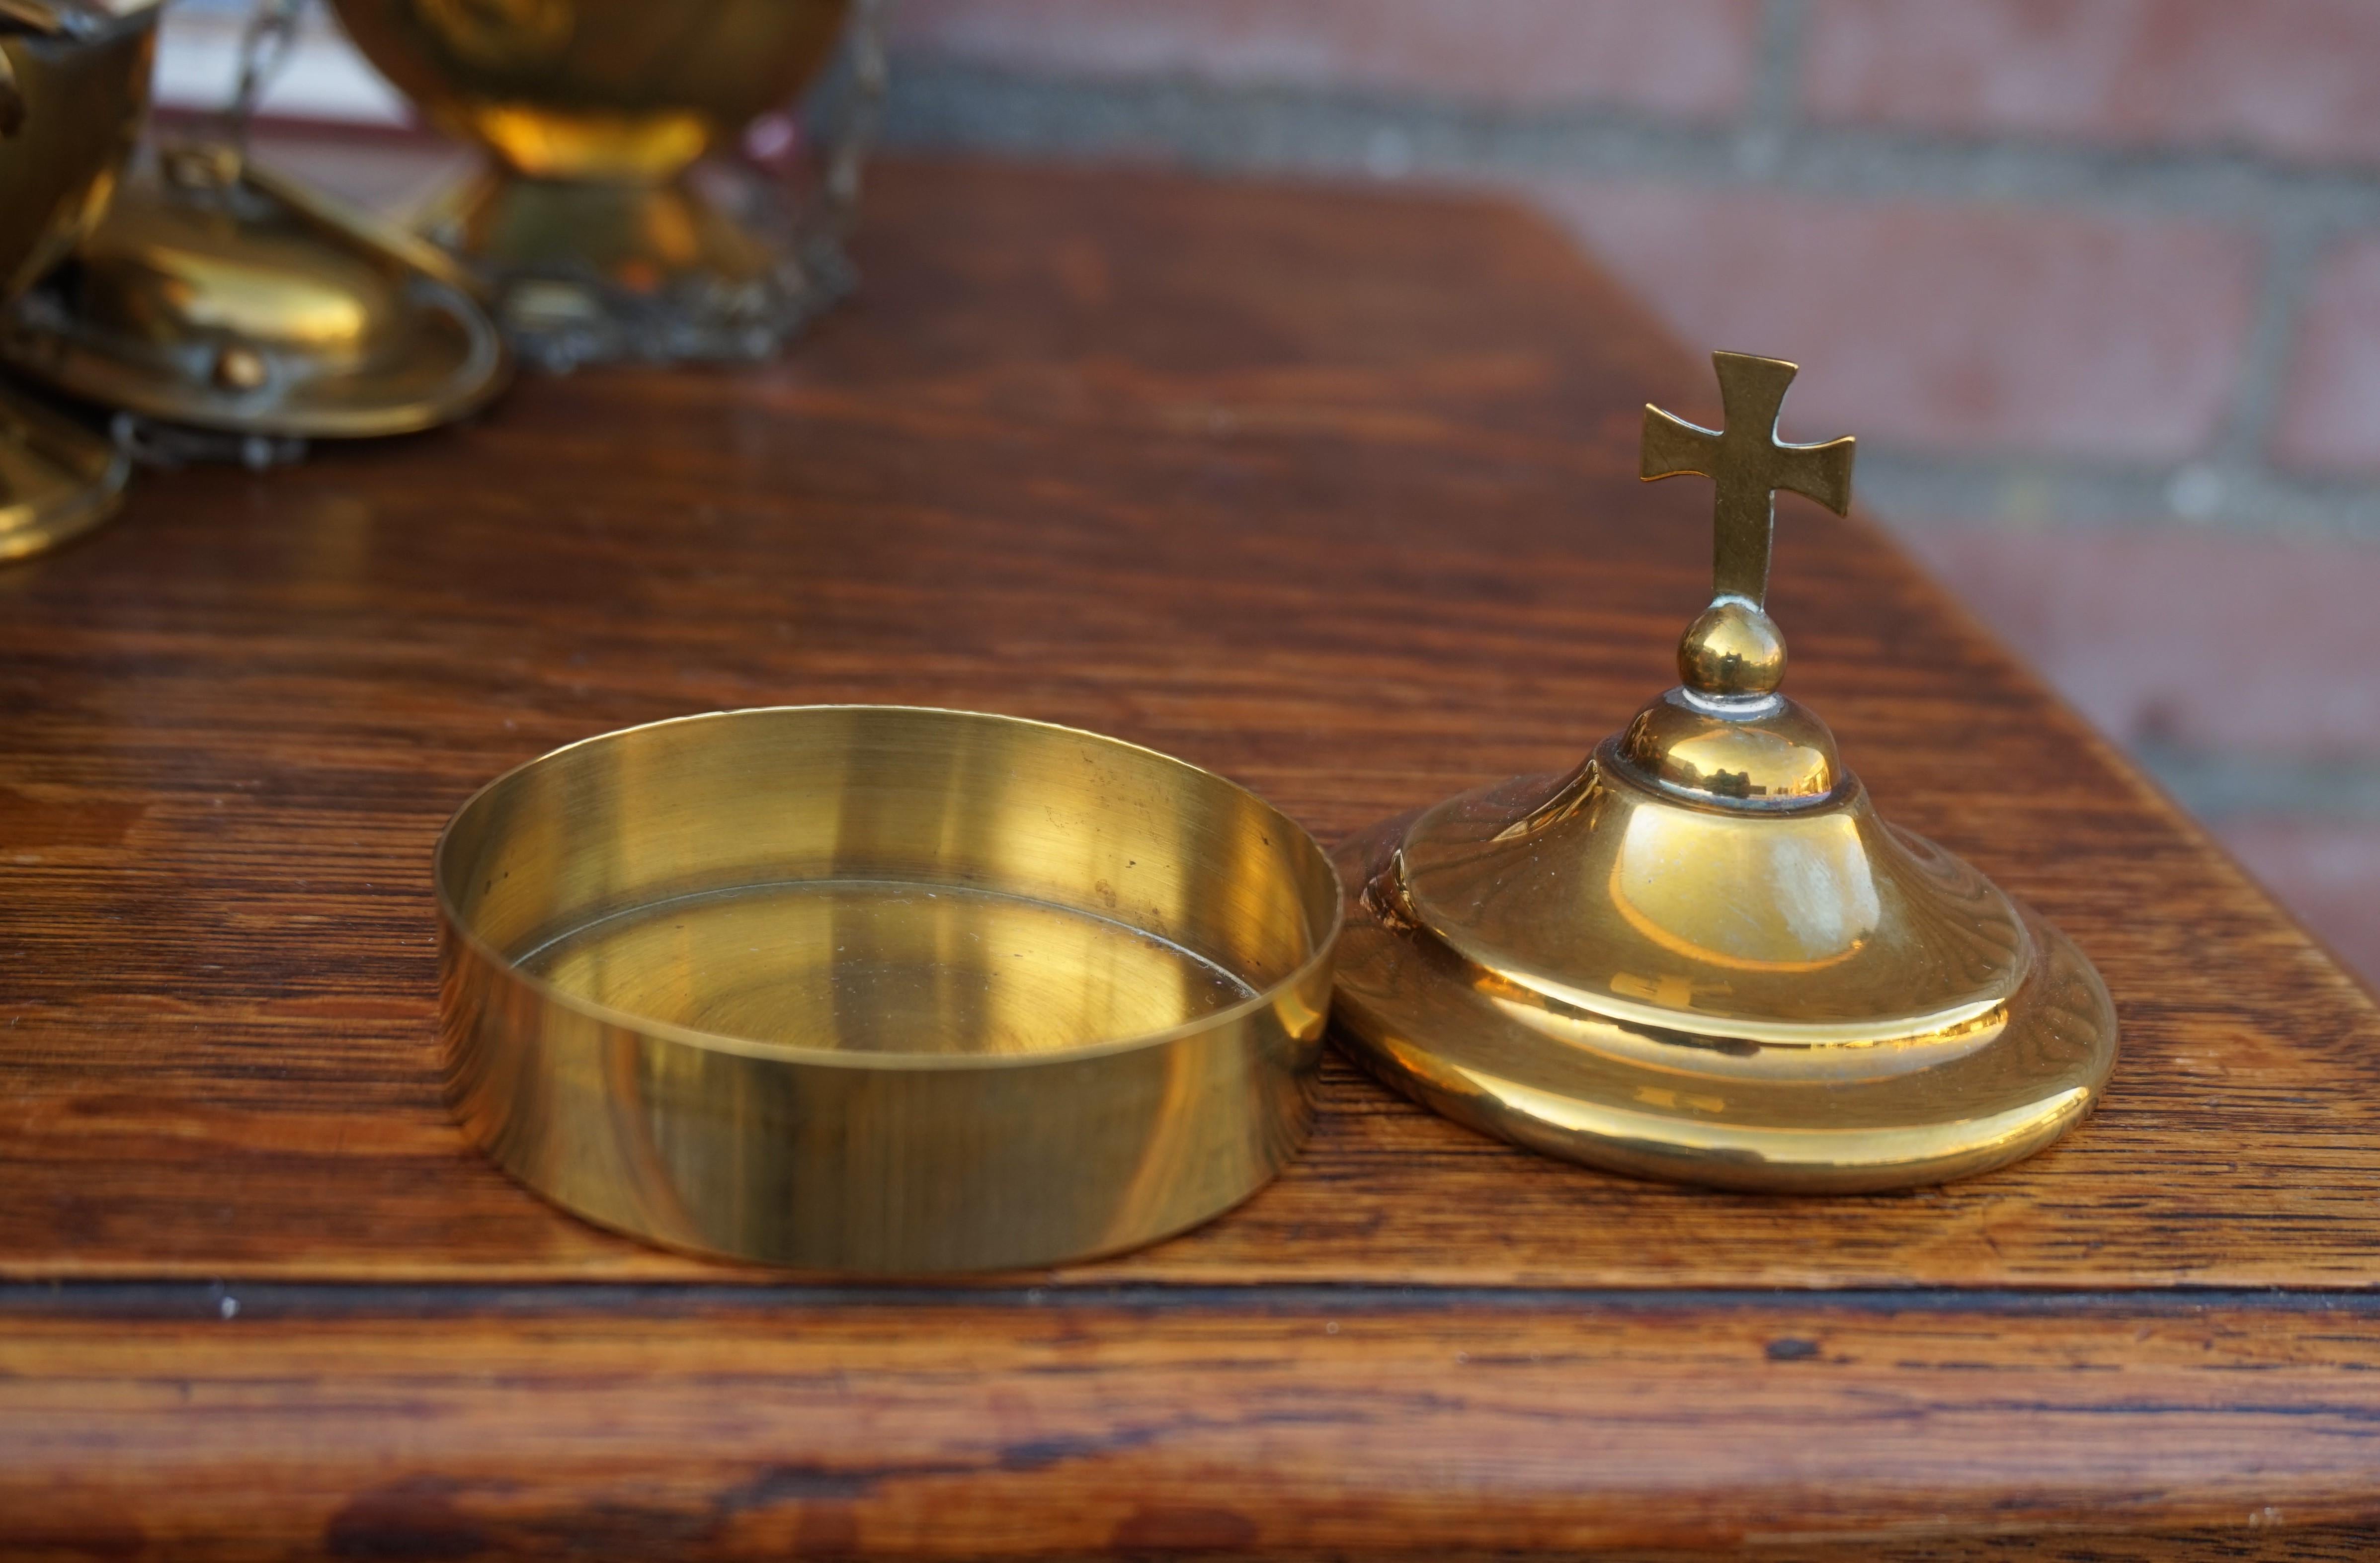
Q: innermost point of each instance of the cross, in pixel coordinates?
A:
(1749, 463)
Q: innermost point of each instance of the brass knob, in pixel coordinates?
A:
(240, 368)
(1734, 650)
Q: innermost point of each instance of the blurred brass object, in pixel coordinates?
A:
(592, 112)
(879, 989)
(74, 90)
(1702, 955)
(216, 295)
(57, 478)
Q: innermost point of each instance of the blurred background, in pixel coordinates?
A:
(2096, 283)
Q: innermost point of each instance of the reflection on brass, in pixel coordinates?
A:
(883, 991)
(591, 112)
(1702, 955)
(218, 296)
(74, 88)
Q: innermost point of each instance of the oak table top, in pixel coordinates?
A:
(1333, 493)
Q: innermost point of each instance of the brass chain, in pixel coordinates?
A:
(265, 48)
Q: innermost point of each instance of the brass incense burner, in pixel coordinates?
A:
(591, 114)
(74, 90)
(217, 295)
(883, 991)
(1702, 955)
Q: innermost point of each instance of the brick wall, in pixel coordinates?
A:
(2097, 283)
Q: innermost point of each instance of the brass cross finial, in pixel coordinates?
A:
(1749, 463)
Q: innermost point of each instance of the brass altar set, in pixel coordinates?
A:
(897, 991)
(216, 308)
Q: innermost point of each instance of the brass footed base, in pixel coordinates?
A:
(1636, 1069)
(588, 271)
(58, 479)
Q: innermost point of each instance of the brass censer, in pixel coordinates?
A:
(74, 90)
(592, 114)
(219, 309)
(1702, 955)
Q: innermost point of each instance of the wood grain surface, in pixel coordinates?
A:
(1333, 492)
(1313, 1426)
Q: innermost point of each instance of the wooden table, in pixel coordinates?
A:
(1333, 493)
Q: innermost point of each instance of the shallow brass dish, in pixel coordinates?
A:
(883, 991)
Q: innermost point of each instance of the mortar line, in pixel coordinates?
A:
(1776, 82)
(1273, 128)
(2293, 239)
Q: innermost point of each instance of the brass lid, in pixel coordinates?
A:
(219, 294)
(1702, 954)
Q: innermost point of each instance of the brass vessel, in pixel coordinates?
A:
(883, 991)
(73, 90)
(1702, 955)
(218, 296)
(592, 112)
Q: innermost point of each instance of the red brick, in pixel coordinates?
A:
(1956, 328)
(2330, 412)
(2213, 643)
(2290, 78)
(2326, 871)
(1683, 57)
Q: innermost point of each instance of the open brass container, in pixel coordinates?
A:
(74, 88)
(592, 114)
(883, 991)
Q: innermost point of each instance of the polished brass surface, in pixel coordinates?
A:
(217, 295)
(1748, 464)
(1702, 955)
(883, 991)
(74, 90)
(592, 112)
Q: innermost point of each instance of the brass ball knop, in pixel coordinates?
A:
(241, 369)
(1733, 649)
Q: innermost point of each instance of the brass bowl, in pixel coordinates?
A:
(73, 90)
(608, 90)
(592, 112)
(883, 991)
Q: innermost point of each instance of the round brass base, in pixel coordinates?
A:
(58, 479)
(1702, 1105)
(589, 270)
